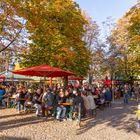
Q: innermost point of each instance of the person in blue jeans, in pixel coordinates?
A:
(60, 109)
(125, 98)
(126, 94)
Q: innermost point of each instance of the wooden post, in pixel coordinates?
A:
(65, 82)
(51, 81)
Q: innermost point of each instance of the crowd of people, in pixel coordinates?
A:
(127, 91)
(63, 103)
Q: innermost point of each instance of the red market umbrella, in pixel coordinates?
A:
(107, 82)
(76, 78)
(2, 77)
(43, 71)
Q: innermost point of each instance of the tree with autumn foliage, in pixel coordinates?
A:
(11, 34)
(134, 30)
(96, 47)
(123, 50)
(56, 30)
(10, 26)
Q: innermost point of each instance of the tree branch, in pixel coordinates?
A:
(11, 41)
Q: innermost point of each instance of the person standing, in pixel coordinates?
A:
(86, 102)
(92, 104)
(126, 95)
(21, 99)
(78, 101)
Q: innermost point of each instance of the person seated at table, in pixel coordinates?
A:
(69, 104)
(60, 108)
(78, 101)
(29, 95)
(68, 97)
(47, 100)
(37, 101)
(21, 99)
(29, 99)
(12, 99)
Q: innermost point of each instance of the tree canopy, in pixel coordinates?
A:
(124, 49)
(10, 26)
(59, 34)
(56, 30)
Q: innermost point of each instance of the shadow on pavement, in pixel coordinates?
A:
(13, 138)
(14, 123)
(119, 116)
(13, 115)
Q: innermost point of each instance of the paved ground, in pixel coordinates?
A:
(115, 123)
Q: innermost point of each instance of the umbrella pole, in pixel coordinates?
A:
(44, 88)
(65, 82)
(51, 81)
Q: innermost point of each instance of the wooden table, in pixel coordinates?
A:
(66, 104)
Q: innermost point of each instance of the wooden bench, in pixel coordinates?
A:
(48, 110)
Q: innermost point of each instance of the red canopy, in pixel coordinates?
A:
(107, 82)
(43, 71)
(76, 78)
(2, 77)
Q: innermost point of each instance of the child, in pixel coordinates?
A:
(138, 116)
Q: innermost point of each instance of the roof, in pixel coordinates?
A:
(10, 75)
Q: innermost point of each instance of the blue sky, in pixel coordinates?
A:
(99, 10)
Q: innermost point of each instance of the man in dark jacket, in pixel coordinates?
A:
(21, 99)
(79, 102)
